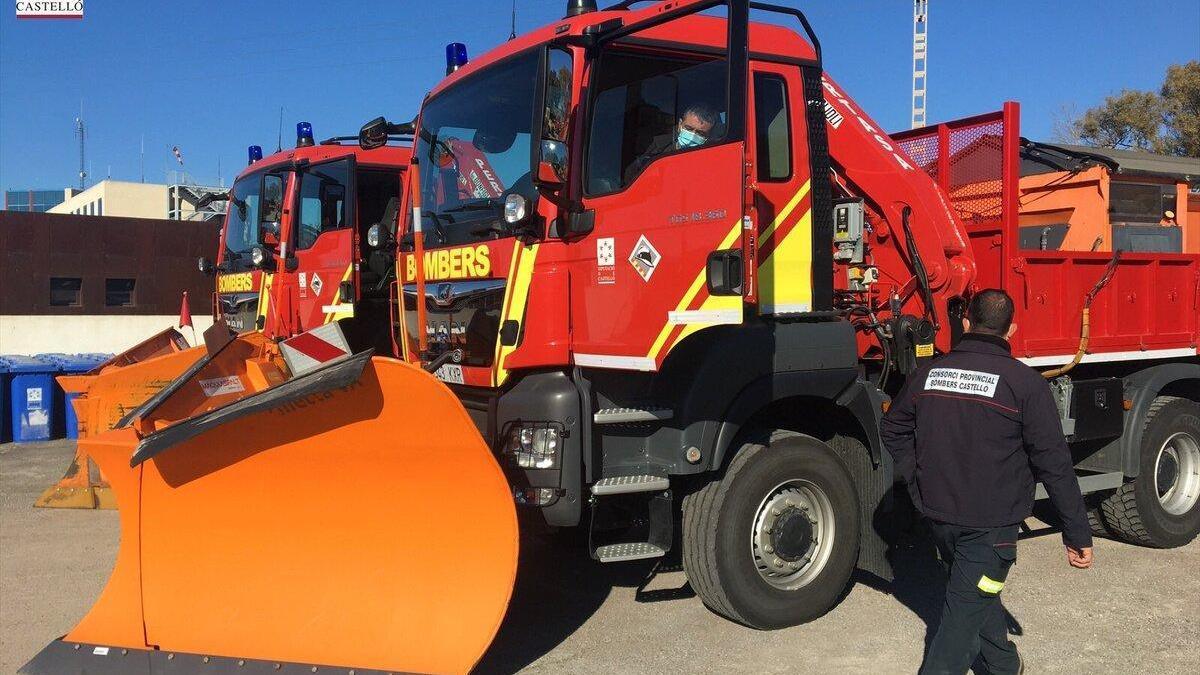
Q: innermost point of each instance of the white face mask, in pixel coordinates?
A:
(686, 138)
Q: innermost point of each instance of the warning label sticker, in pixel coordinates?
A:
(33, 397)
(316, 284)
(645, 258)
(962, 381)
(222, 385)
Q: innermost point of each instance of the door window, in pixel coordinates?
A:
(773, 136)
(322, 201)
(646, 107)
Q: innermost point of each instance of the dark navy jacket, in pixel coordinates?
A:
(970, 433)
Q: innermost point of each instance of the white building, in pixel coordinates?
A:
(141, 200)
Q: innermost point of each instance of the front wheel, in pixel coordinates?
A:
(772, 543)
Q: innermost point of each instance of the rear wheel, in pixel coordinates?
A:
(1161, 507)
(772, 543)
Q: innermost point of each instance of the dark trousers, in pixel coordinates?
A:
(973, 620)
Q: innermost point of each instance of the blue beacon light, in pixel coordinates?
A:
(456, 56)
(304, 135)
(255, 152)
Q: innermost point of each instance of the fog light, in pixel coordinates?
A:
(535, 496)
(533, 447)
(258, 256)
(373, 236)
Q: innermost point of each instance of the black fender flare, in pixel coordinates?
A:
(842, 387)
(1143, 387)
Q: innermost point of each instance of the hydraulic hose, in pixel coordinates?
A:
(919, 268)
(1085, 325)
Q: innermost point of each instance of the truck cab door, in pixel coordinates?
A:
(782, 189)
(663, 177)
(322, 284)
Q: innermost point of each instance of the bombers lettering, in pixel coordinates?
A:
(235, 283)
(468, 262)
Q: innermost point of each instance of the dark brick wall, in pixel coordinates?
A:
(160, 254)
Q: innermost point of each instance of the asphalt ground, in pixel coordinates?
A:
(1136, 611)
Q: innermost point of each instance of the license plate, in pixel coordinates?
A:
(450, 373)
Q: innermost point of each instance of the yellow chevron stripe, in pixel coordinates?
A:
(520, 276)
(264, 299)
(786, 211)
(724, 301)
(692, 290)
(337, 298)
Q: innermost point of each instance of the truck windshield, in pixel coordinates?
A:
(255, 202)
(473, 146)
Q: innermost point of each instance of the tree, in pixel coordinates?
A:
(1181, 109)
(1166, 122)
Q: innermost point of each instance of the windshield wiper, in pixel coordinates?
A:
(485, 205)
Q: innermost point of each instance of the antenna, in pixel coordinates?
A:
(220, 180)
(142, 159)
(279, 139)
(513, 34)
(81, 133)
(920, 41)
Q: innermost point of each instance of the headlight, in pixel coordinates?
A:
(514, 209)
(258, 256)
(374, 236)
(533, 447)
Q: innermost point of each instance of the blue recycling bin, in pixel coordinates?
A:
(71, 364)
(5, 411)
(30, 398)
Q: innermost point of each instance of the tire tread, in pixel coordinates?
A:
(1120, 510)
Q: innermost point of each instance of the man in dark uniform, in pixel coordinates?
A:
(693, 129)
(970, 433)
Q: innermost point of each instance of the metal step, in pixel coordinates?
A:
(636, 550)
(620, 485)
(631, 415)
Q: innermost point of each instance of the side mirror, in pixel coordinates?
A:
(551, 118)
(373, 134)
(206, 266)
(552, 163)
(378, 237)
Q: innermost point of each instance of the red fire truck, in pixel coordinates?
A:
(294, 254)
(691, 344)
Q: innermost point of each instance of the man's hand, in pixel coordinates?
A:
(1080, 558)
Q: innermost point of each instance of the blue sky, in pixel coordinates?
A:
(210, 76)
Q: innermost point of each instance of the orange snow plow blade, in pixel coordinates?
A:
(101, 402)
(350, 516)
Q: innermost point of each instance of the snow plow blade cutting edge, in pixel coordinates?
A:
(364, 525)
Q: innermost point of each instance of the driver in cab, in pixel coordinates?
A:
(693, 129)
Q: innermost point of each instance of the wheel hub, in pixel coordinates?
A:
(792, 535)
(1177, 473)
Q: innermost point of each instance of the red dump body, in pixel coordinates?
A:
(1150, 308)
